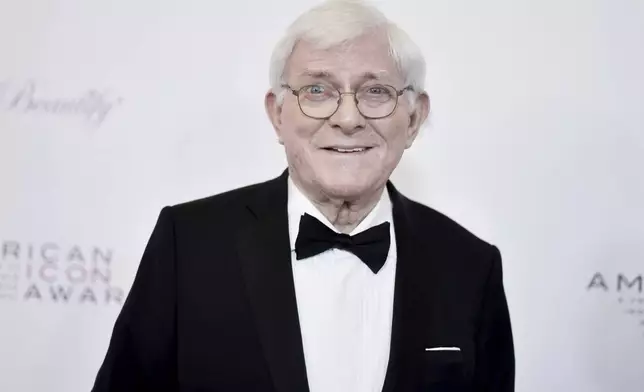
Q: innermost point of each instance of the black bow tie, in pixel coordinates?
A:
(371, 246)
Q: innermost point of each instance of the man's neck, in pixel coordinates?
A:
(344, 215)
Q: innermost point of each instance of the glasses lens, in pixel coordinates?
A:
(377, 100)
(318, 100)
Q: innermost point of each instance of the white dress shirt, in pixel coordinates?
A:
(345, 310)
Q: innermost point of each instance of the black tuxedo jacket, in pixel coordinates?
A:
(213, 306)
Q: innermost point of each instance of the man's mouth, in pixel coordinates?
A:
(347, 150)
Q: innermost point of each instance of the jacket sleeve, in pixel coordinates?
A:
(495, 361)
(142, 350)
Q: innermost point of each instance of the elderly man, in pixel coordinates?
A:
(326, 278)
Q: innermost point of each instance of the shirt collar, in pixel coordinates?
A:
(299, 204)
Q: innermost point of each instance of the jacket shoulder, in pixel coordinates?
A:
(436, 223)
(228, 202)
(458, 250)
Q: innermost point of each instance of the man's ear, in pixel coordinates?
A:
(417, 117)
(274, 111)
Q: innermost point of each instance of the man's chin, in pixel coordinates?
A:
(346, 190)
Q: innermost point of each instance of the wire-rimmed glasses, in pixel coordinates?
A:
(321, 100)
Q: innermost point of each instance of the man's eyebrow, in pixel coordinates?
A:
(316, 74)
(373, 75)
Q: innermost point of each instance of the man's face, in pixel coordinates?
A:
(346, 156)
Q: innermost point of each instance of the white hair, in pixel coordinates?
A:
(335, 22)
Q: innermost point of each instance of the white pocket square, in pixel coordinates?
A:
(442, 349)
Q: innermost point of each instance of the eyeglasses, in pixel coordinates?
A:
(321, 101)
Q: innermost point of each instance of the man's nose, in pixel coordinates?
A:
(348, 118)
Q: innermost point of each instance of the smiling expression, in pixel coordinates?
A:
(346, 155)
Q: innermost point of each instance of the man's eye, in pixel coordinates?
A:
(317, 89)
(377, 90)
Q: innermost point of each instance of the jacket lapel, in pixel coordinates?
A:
(415, 294)
(264, 250)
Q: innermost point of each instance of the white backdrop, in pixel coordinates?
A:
(111, 110)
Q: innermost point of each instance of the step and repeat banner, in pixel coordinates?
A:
(111, 110)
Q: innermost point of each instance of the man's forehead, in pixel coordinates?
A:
(374, 49)
(323, 73)
(326, 64)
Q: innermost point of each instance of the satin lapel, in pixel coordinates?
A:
(265, 255)
(415, 289)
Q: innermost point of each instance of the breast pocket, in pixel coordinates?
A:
(443, 370)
